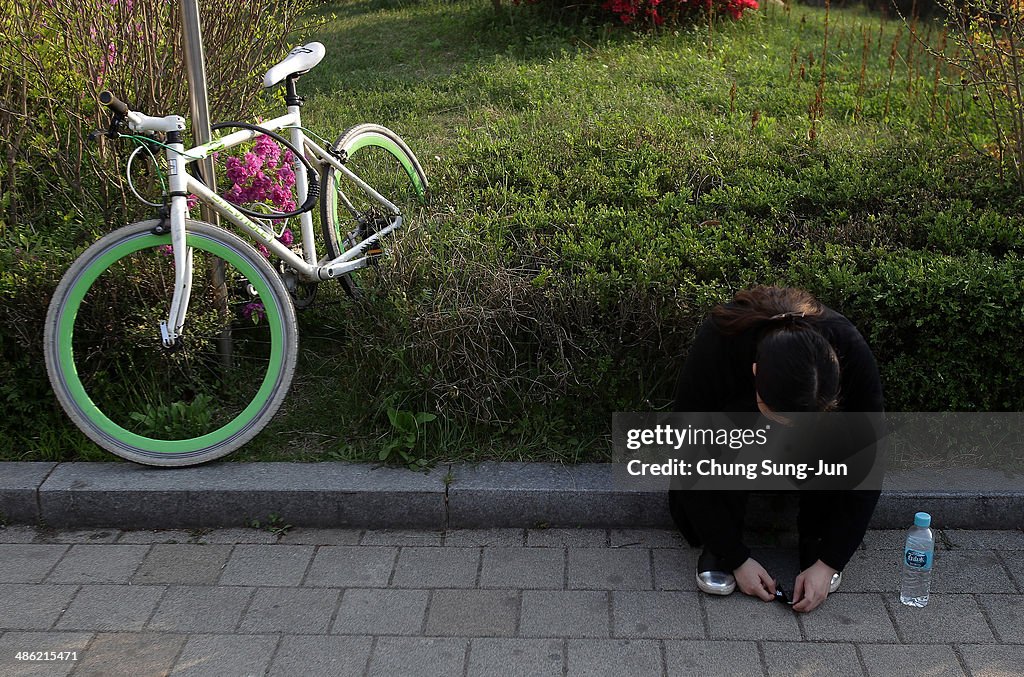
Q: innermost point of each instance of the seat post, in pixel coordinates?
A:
(291, 95)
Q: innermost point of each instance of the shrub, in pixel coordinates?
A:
(658, 12)
(988, 50)
(945, 329)
(55, 58)
(584, 259)
(654, 12)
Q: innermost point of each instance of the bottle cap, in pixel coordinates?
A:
(922, 519)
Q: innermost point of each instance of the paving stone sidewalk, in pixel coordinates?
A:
(535, 602)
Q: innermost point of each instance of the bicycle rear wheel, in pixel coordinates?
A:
(173, 406)
(349, 215)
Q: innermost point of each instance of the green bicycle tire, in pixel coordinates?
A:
(76, 367)
(383, 160)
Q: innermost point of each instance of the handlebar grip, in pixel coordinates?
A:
(113, 103)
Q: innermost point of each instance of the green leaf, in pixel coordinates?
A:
(393, 416)
(405, 421)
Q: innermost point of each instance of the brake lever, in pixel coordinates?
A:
(110, 133)
(113, 131)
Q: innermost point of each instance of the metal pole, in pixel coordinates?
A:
(195, 67)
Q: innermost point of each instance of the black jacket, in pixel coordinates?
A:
(717, 376)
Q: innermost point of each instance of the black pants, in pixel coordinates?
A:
(714, 519)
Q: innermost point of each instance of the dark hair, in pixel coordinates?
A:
(760, 306)
(797, 368)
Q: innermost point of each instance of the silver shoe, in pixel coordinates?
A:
(716, 582)
(837, 579)
(710, 577)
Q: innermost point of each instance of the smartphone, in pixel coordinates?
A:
(781, 596)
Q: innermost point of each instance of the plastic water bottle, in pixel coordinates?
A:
(917, 562)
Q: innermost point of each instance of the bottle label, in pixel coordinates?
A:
(918, 559)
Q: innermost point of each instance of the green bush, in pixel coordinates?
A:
(586, 258)
(945, 329)
(28, 273)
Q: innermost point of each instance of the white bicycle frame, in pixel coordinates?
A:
(180, 183)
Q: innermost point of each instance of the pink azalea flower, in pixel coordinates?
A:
(254, 310)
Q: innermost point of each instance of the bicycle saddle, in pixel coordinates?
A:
(299, 60)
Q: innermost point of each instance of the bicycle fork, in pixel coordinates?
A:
(177, 183)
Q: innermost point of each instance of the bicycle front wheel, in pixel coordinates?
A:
(209, 394)
(349, 215)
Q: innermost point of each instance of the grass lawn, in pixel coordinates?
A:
(588, 179)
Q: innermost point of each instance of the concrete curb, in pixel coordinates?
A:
(19, 490)
(129, 496)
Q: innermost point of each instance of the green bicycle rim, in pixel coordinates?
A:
(146, 445)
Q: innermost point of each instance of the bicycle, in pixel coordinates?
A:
(162, 370)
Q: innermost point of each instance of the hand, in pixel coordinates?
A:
(753, 580)
(811, 587)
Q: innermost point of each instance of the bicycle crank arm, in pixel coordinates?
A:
(335, 270)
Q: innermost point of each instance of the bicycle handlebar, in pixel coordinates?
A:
(176, 124)
(136, 121)
(113, 103)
